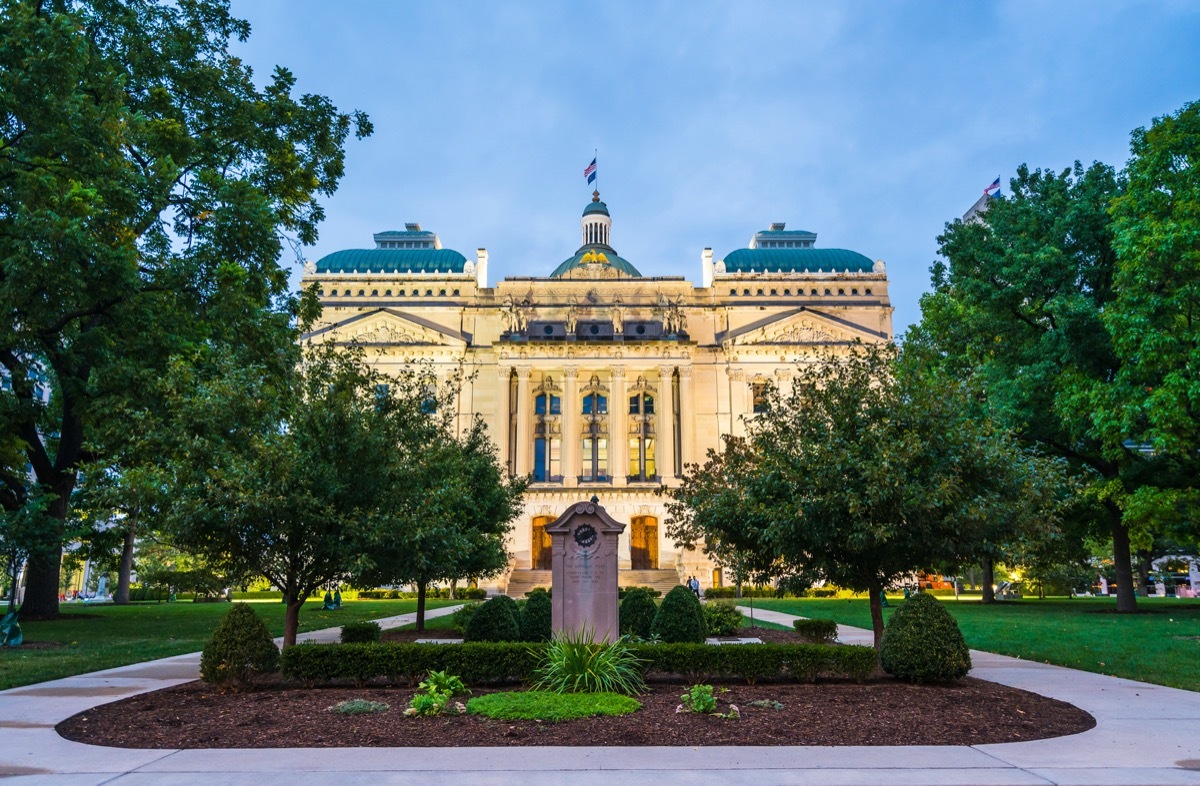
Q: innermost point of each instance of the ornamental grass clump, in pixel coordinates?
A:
(679, 619)
(576, 663)
(922, 643)
(359, 707)
(240, 650)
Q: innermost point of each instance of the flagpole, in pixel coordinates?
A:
(596, 158)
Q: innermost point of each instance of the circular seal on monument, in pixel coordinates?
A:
(585, 535)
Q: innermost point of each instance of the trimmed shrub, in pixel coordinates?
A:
(240, 650)
(360, 632)
(622, 592)
(487, 663)
(550, 706)
(922, 643)
(721, 619)
(495, 620)
(535, 617)
(637, 613)
(679, 618)
(463, 615)
(816, 631)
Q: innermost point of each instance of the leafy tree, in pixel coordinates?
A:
(866, 470)
(292, 499)
(146, 183)
(1155, 323)
(450, 504)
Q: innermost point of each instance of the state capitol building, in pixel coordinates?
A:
(595, 379)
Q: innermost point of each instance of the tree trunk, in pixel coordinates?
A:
(121, 596)
(988, 582)
(43, 567)
(875, 590)
(1142, 574)
(453, 588)
(1122, 566)
(421, 606)
(291, 621)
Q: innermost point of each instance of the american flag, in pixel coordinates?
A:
(590, 172)
(991, 190)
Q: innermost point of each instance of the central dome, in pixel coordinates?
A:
(596, 257)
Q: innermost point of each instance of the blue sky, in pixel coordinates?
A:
(870, 123)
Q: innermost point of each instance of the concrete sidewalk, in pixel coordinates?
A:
(1146, 734)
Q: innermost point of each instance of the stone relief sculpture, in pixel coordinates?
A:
(514, 316)
(618, 317)
(572, 318)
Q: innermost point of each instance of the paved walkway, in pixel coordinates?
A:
(1145, 734)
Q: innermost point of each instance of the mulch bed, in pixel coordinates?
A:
(878, 712)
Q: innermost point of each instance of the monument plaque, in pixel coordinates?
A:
(584, 571)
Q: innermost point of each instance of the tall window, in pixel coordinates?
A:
(547, 434)
(595, 432)
(758, 392)
(641, 432)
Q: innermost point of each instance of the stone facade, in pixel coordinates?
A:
(548, 358)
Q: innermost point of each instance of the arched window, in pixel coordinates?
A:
(547, 433)
(641, 432)
(595, 432)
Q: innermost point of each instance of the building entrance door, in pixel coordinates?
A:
(643, 543)
(541, 552)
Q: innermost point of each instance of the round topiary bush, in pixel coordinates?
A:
(922, 643)
(679, 618)
(239, 651)
(495, 620)
(535, 617)
(637, 613)
(721, 618)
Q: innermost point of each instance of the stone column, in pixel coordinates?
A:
(500, 423)
(737, 401)
(570, 429)
(664, 425)
(524, 425)
(687, 450)
(618, 427)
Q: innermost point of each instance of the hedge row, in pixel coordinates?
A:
(775, 592)
(485, 662)
(462, 593)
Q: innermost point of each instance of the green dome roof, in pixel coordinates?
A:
(797, 260)
(393, 260)
(615, 261)
(596, 207)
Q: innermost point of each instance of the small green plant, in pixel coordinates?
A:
(495, 620)
(441, 682)
(637, 612)
(766, 704)
(576, 663)
(816, 631)
(722, 618)
(439, 687)
(699, 699)
(922, 643)
(240, 650)
(358, 707)
(361, 632)
(550, 706)
(679, 618)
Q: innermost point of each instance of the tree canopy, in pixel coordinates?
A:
(147, 185)
(866, 469)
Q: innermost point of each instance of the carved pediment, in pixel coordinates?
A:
(803, 327)
(388, 327)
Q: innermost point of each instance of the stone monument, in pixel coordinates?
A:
(584, 571)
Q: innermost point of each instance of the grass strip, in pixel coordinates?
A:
(550, 707)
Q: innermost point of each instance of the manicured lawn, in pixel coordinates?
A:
(101, 637)
(1161, 644)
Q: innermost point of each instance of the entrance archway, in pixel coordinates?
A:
(541, 555)
(643, 543)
